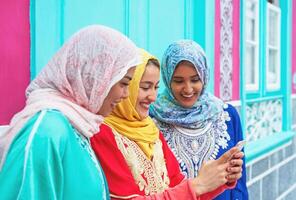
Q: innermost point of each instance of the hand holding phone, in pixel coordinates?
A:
(240, 145)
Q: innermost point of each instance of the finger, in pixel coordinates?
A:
(234, 170)
(236, 162)
(233, 177)
(228, 154)
(240, 154)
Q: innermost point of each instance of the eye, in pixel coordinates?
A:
(125, 84)
(177, 81)
(195, 80)
(145, 88)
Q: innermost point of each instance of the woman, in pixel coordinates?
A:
(196, 125)
(46, 150)
(135, 157)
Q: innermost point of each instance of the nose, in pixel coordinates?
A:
(187, 88)
(152, 96)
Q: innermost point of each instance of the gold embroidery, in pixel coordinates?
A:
(154, 171)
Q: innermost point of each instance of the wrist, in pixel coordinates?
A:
(198, 187)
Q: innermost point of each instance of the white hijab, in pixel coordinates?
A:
(77, 80)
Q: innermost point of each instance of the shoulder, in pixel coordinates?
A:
(52, 124)
(105, 132)
(104, 137)
(234, 124)
(231, 110)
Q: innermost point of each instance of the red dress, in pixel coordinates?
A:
(128, 182)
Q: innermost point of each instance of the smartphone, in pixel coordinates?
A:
(240, 145)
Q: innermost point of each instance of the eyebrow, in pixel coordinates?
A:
(194, 76)
(149, 82)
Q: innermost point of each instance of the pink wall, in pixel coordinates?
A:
(217, 49)
(14, 56)
(235, 52)
(294, 47)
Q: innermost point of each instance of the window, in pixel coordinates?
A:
(273, 72)
(252, 45)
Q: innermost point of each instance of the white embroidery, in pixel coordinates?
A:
(193, 146)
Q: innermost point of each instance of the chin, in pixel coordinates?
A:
(143, 115)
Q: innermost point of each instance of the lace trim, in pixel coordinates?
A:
(150, 175)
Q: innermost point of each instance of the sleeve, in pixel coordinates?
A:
(121, 182)
(180, 192)
(184, 191)
(42, 169)
(240, 191)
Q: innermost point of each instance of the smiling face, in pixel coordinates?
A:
(186, 84)
(147, 89)
(118, 92)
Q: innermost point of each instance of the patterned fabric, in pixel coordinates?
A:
(77, 80)
(125, 119)
(128, 170)
(203, 132)
(194, 146)
(150, 175)
(166, 108)
(113, 150)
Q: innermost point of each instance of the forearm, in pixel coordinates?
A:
(183, 191)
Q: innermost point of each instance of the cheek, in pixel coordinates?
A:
(198, 87)
(118, 93)
(138, 107)
(175, 90)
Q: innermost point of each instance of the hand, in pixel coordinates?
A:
(235, 168)
(214, 173)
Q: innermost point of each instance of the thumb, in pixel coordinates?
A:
(228, 154)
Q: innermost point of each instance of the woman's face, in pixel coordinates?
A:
(186, 84)
(147, 90)
(118, 92)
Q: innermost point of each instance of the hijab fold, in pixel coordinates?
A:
(127, 122)
(77, 80)
(166, 108)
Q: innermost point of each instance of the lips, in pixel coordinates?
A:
(145, 105)
(187, 95)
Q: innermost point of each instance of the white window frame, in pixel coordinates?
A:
(254, 86)
(277, 85)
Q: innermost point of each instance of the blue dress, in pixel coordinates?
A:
(48, 159)
(193, 146)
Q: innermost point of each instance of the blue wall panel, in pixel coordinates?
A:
(146, 22)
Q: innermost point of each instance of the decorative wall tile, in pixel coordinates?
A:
(263, 119)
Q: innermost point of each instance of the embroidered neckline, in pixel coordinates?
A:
(150, 175)
(192, 147)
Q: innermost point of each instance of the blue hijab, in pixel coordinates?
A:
(166, 108)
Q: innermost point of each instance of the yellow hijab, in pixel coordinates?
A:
(125, 119)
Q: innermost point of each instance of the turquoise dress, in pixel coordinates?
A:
(48, 159)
